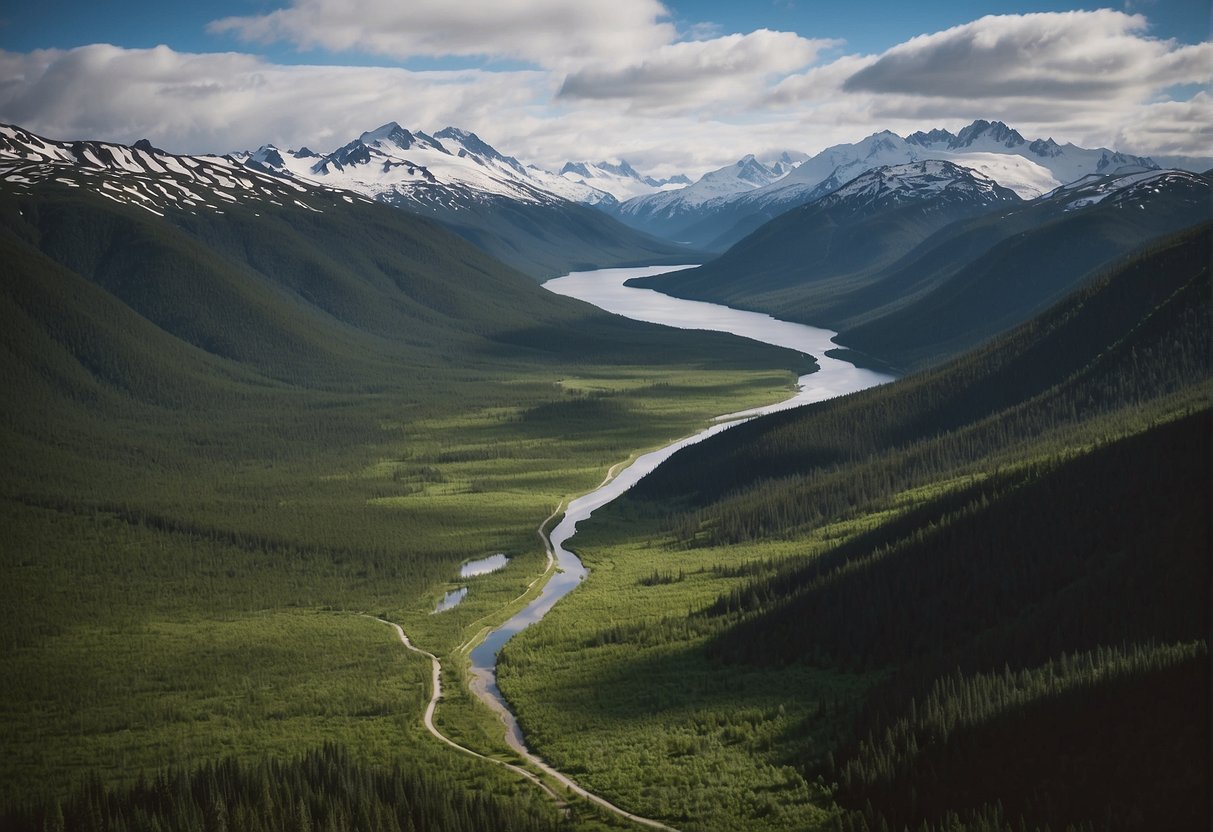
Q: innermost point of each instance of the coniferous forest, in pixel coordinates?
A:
(322, 790)
(991, 580)
(239, 443)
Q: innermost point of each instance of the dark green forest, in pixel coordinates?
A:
(1011, 551)
(976, 597)
(325, 790)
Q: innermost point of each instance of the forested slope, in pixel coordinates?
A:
(1015, 547)
(914, 285)
(230, 431)
(548, 240)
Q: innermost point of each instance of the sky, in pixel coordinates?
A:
(681, 86)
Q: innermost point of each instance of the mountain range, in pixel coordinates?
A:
(915, 262)
(251, 400)
(542, 223)
(612, 182)
(1001, 153)
(534, 220)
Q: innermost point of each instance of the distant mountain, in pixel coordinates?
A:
(534, 220)
(392, 164)
(1028, 168)
(1000, 152)
(859, 228)
(983, 276)
(911, 287)
(152, 179)
(619, 179)
(665, 213)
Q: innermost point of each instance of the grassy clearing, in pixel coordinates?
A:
(143, 631)
(614, 688)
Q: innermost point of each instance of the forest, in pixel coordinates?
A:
(325, 790)
(231, 436)
(972, 598)
(976, 598)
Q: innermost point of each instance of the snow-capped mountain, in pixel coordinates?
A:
(151, 178)
(1131, 190)
(991, 148)
(744, 175)
(395, 165)
(1028, 168)
(619, 179)
(509, 209)
(452, 177)
(934, 180)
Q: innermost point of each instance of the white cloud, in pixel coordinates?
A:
(544, 32)
(1079, 56)
(681, 107)
(1075, 76)
(727, 72)
(1171, 127)
(219, 102)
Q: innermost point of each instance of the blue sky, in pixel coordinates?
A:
(679, 86)
(866, 26)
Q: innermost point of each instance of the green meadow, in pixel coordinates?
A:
(200, 510)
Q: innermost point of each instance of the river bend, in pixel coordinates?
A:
(605, 289)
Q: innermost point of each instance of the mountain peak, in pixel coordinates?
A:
(620, 179)
(621, 169)
(575, 168)
(268, 155)
(389, 133)
(993, 132)
(923, 181)
(930, 138)
(477, 146)
(1044, 147)
(588, 169)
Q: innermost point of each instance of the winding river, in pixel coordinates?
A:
(605, 289)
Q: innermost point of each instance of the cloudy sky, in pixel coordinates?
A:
(675, 86)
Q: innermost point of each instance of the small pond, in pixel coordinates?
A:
(451, 599)
(483, 566)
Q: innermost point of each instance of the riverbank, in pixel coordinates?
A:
(607, 289)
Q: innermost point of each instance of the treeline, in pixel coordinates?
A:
(1111, 739)
(1034, 562)
(325, 790)
(999, 546)
(1089, 367)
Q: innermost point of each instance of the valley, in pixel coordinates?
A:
(258, 406)
(195, 529)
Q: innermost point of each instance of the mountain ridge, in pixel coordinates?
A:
(470, 188)
(996, 150)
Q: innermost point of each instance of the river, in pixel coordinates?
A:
(605, 289)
